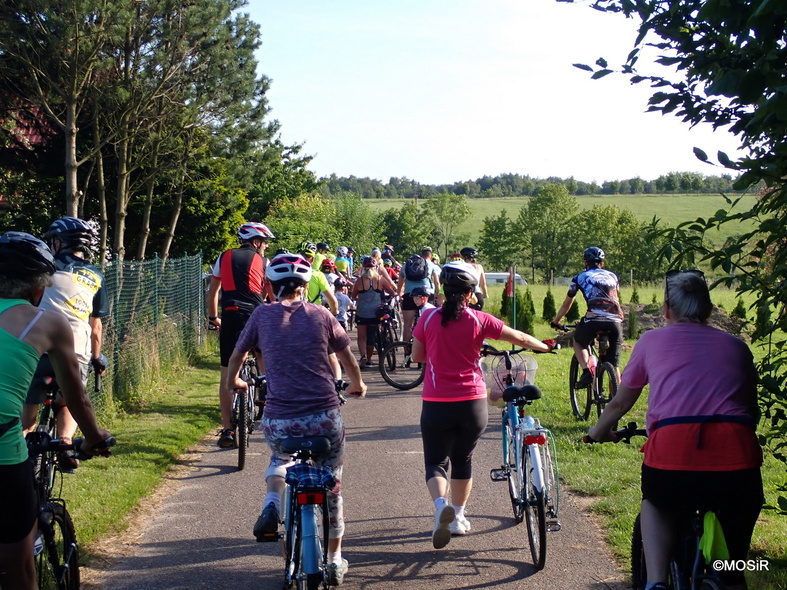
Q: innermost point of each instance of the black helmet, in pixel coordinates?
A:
(323, 246)
(468, 252)
(72, 231)
(23, 255)
(594, 254)
(458, 274)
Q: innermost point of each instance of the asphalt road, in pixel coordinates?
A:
(199, 534)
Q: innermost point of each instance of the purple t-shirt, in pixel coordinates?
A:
(453, 353)
(294, 341)
(693, 370)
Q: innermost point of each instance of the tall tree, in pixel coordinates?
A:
(446, 212)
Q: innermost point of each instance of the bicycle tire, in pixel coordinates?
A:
(535, 515)
(57, 566)
(313, 581)
(292, 546)
(242, 428)
(552, 491)
(515, 489)
(607, 387)
(639, 574)
(577, 394)
(398, 369)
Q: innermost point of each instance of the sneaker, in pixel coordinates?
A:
(459, 526)
(268, 522)
(226, 439)
(334, 575)
(585, 379)
(443, 518)
(362, 362)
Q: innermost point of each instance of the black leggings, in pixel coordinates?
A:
(450, 431)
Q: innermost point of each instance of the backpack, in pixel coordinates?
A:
(416, 268)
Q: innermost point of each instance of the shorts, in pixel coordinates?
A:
(232, 324)
(587, 329)
(735, 496)
(42, 379)
(18, 504)
(367, 321)
(450, 432)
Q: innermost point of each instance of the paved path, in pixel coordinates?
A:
(199, 536)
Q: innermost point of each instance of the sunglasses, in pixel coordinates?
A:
(671, 273)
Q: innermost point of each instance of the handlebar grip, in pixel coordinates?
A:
(97, 386)
(103, 445)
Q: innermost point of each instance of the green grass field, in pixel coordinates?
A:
(670, 209)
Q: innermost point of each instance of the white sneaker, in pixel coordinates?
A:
(459, 526)
(443, 518)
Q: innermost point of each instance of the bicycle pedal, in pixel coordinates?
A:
(270, 537)
(553, 525)
(498, 475)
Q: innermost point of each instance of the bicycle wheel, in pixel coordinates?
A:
(535, 514)
(398, 369)
(292, 545)
(515, 488)
(639, 575)
(57, 566)
(242, 427)
(579, 395)
(551, 482)
(607, 387)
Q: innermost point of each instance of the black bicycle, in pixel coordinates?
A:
(244, 408)
(397, 366)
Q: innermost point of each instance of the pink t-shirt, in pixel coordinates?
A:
(453, 352)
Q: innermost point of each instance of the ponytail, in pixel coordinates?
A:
(454, 304)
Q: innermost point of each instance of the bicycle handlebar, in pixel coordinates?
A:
(55, 445)
(623, 435)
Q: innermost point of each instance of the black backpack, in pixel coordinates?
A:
(416, 268)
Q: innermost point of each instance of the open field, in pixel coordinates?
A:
(670, 209)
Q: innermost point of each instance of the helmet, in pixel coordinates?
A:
(342, 251)
(323, 246)
(307, 248)
(421, 292)
(458, 274)
(282, 251)
(376, 250)
(328, 265)
(289, 266)
(468, 252)
(387, 262)
(388, 248)
(350, 249)
(369, 262)
(594, 254)
(454, 256)
(253, 229)
(72, 231)
(340, 283)
(22, 255)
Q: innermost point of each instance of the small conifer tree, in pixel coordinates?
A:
(549, 307)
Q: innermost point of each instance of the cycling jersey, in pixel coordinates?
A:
(242, 274)
(79, 293)
(19, 363)
(343, 265)
(600, 288)
(317, 284)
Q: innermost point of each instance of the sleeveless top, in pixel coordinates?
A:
(366, 301)
(242, 274)
(19, 363)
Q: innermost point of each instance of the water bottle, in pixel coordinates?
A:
(529, 423)
(38, 547)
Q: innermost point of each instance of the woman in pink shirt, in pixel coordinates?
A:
(703, 451)
(454, 413)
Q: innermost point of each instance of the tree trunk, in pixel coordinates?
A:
(72, 192)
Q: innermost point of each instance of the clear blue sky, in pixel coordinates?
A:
(441, 91)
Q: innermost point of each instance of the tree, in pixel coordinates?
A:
(405, 229)
(446, 212)
(358, 225)
(500, 245)
(730, 63)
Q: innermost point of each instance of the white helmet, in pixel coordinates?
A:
(254, 229)
(288, 266)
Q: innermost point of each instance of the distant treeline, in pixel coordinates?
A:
(516, 185)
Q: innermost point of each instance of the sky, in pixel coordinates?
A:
(443, 91)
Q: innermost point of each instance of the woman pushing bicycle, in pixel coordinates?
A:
(294, 337)
(702, 452)
(454, 412)
(26, 332)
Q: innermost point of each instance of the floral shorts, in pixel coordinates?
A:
(328, 424)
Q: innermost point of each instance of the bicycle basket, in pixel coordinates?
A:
(523, 371)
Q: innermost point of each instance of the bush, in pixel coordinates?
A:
(633, 322)
(525, 312)
(549, 307)
(572, 315)
(740, 310)
(634, 295)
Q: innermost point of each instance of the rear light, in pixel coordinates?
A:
(538, 439)
(310, 498)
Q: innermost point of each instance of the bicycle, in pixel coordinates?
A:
(56, 551)
(244, 408)
(398, 368)
(386, 333)
(529, 464)
(305, 503)
(604, 385)
(688, 569)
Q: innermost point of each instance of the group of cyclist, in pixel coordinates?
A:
(51, 303)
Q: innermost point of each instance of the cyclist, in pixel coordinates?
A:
(328, 268)
(703, 451)
(454, 412)
(421, 297)
(293, 336)
(345, 303)
(392, 273)
(320, 289)
(600, 288)
(343, 261)
(26, 333)
(321, 252)
(368, 293)
(429, 277)
(469, 255)
(78, 292)
(239, 274)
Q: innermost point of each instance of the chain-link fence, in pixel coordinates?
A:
(155, 324)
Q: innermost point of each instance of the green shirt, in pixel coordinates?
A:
(317, 285)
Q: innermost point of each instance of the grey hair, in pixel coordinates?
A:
(688, 298)
(22, 287)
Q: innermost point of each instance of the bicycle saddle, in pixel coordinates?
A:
(525, 393)
(316, 445)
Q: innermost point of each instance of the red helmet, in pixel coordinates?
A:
(328, 265)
